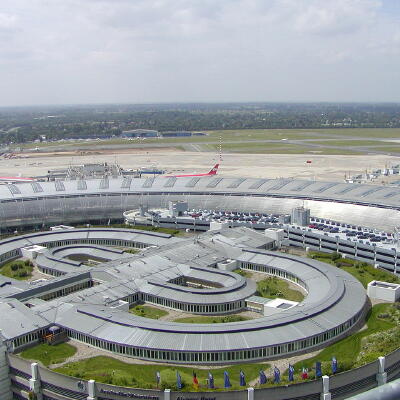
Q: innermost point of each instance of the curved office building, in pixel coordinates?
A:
(90, 303)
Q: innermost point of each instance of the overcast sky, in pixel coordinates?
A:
(140, 51)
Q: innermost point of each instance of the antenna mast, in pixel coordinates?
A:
(220, 147)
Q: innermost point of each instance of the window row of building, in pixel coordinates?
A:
(273, 271)
(10, 255)
(373, 254)
(59, 291)
(66, 290)
(216, 356)
(102, 242)
(24, 340)
(194, 308)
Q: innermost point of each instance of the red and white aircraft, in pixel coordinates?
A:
(15, 179)
(213, 171)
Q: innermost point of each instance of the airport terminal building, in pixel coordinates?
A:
(90, 303)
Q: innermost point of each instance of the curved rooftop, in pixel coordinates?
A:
(105, 198)
(334, 303)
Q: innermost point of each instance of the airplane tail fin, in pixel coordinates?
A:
(214, 170)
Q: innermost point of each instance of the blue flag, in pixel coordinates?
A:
(210, 381)
(242, 379)
(334, 365)
(263, 377)
(178, 380)
(227, 382)
(291, 373)
(277, 375)
(318, 369)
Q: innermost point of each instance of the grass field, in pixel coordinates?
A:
(220, 319)
(351, 142)
(110, 370)
(347, 350)
(281, 148)
(234, 138)
(390, 149)
(313, 133)
(272, 288)
(148, 312)
(242, 272)
(130, 251)
(362, 271)
(168, 231)
(17, 269)
(48, 355)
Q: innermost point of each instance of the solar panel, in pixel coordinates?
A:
(82, 185)
(370, 191)
(391, 194)
(236, 183)
(170, 182)
(302, 186)
(59, 186)
(36, 187)
(192, 182)
(126, 183)
(281, 183)
(104, 184)
(214, 182)
(148, 183)
(348, 189)
(14, 189)
(258, 184)
(324, 188)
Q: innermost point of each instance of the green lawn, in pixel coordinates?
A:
(282, 148)
(389, 149)
(351, 142)
(17, 269)
(273, 288)
(312, 133)
(360, 132)
(148, 312)
(48, 354)
(151, 228)
(110, 370)
(130, 251)
(232, 135)
(169, 231)
(381, 342)
(242, 272)
(347, 350)
(362, 271)
(216, 319)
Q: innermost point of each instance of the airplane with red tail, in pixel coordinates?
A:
(213, 171)
(15, 179)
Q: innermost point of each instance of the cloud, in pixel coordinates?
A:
(73, 51)
(7, 21)
(336, 17)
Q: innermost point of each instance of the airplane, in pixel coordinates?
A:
(213, 171)
(15, 179)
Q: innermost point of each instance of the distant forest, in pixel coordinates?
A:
(19, 125)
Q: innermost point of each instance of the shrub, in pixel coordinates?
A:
(121, 381)
(15, 267)
(384, 315)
